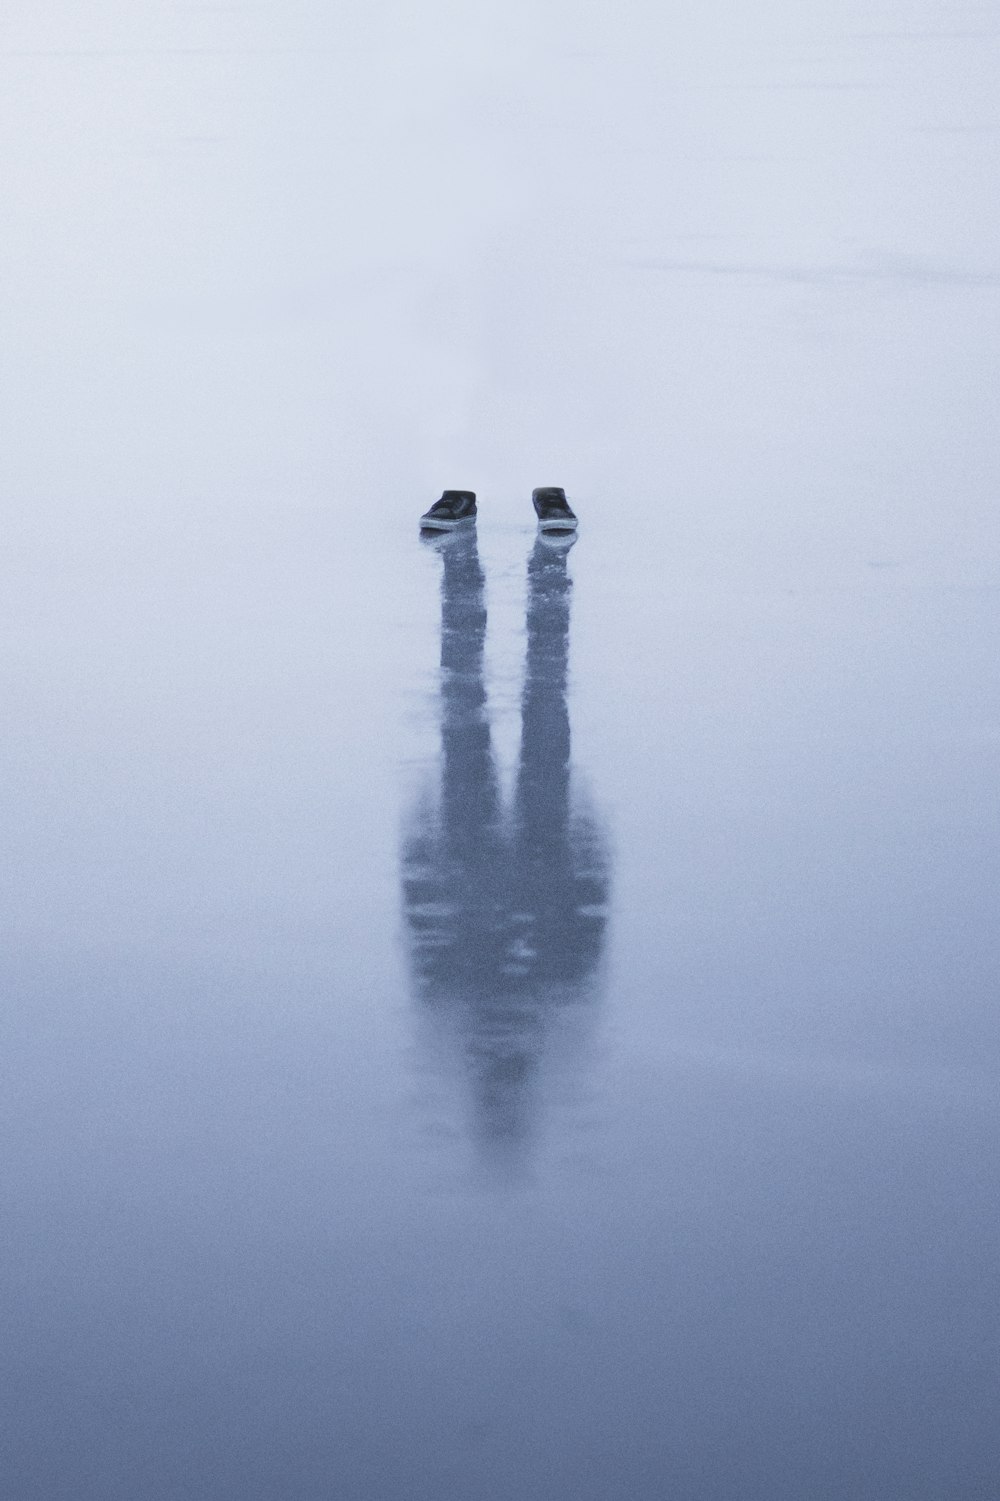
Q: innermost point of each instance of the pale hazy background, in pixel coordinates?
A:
(272, 276)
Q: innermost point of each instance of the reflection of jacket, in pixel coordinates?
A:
(504, 922)
(504, 906)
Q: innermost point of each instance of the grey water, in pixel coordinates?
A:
(488, 1018)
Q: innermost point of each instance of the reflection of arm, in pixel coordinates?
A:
(454, 901)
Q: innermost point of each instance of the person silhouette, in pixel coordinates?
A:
(505, 906)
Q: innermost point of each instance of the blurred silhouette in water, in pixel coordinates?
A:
(505, 906)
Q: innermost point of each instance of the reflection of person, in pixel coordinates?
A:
(504, 906)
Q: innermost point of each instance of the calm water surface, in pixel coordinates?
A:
(483, 1018)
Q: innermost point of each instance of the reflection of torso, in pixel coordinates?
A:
(504, 906)
(504, 920)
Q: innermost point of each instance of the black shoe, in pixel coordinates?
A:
(552, 510)
(455, 508)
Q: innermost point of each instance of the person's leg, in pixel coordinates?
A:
(561, 869)
(543, 766)
(451, 856)
(469, 787)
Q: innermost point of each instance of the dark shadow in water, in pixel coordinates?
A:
(505, 905)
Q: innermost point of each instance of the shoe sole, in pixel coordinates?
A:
(564, 524)
(432, 524)
(557, 541)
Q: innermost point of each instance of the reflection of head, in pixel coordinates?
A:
(505, 907)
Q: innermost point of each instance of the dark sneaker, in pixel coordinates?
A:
(455, 508)
(552, 510)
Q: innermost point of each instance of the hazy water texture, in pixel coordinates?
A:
(482, 1022)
